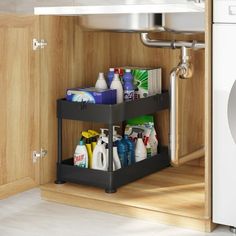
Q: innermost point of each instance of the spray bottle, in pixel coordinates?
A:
(116, 160)
(94, 136)
(140, 149)
(88, 143)
(102, 134)
(115, 134)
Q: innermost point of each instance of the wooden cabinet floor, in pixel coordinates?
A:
(174, 196)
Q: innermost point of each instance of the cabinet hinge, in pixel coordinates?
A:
(39, 154)
(39, 44)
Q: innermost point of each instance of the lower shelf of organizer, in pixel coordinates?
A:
(110, 181)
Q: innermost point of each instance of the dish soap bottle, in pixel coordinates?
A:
(101, 82)
(140, 149)
(128, 86)
(81, 155)
(116, 84)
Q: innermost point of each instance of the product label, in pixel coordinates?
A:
(79, 160)
(128, 95)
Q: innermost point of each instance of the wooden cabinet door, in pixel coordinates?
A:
(56, 75)
(19, 104)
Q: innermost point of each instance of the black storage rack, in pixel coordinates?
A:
(109, 180)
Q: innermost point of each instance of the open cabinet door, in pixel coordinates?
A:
(56, 75)
(19, 106)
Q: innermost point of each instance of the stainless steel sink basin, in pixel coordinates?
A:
(146, 22)
(133, 15)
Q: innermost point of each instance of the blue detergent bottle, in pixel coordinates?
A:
(130, 151)
(128, 86)
(110, 76)
(122, 152)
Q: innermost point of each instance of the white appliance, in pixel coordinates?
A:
(224, 112)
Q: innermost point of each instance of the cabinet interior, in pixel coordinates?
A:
(79, 56)
(73, 58)
(93, 52)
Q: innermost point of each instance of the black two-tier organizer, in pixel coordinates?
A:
(111, 114)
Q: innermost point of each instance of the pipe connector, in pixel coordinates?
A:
(185, 65)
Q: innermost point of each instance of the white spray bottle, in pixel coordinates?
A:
(115, 134)
(102, 134)
(116, 159)
(140, 149)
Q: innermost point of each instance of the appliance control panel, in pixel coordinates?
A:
(224, 11)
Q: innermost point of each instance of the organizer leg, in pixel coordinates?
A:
(59, 155)
(110, 148)
(112, 190)
(59, 182)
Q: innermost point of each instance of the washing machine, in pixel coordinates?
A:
(224, 112)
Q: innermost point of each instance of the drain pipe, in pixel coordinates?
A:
(182, 71)
(170, 44)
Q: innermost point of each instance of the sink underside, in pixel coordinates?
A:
(178, 22)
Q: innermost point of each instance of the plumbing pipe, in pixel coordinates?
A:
(170, 44)
(191, 156)
(173, 139)
(182, 71)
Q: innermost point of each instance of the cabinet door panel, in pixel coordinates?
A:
(19, 104)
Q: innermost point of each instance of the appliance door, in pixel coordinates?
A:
(224, 124)
(224, 11)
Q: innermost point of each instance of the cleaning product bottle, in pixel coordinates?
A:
(140, 149)
(116, 159)
(116, 84)
(147, 143)
(115, 134)
(128, 86)
(94, 137)
(149, 150)
(101, 82)
(81, 155)
(102, 134)
(122, 152)
(110, 76)
(100, 160)
(130, 150)
(88, 143)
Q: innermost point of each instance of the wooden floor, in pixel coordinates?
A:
(174, 196)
